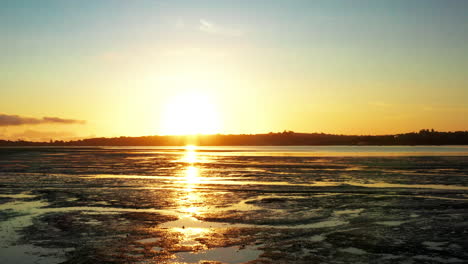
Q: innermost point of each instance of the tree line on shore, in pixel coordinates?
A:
(423, 137)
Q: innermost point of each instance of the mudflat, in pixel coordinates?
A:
(234, 205)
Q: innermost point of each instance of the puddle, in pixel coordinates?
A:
(390, 223)
(157, 249)
(17, 196)
(187, 221)
(322, 224)
(434, 245)
(165, 181)
(243, 181)
(348, 211)
(241, 206)
(317, 238)
(432, 259)
(148, 240)
(417, 186)
(390, 257)
(23, 214)
(231, 255)
(353, 250)
(10, 251)
(27, 254)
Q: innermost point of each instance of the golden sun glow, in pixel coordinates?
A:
(190, 114)
(190, 155)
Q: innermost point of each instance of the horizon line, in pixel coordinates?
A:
(285, 132)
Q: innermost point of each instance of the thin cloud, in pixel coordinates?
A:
(15, 120)
(212, 28)
(208, 26)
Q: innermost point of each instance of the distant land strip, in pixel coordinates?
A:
(286, 138)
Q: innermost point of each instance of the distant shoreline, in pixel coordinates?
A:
(183, 147)
(424, 137)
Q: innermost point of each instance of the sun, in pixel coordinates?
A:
(190, 114)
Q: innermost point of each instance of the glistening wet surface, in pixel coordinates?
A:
(234, 205)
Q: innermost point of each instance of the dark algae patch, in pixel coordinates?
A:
(144, 206)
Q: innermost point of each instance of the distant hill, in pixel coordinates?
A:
(423, 137)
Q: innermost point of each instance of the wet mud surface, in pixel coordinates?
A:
(141, 206)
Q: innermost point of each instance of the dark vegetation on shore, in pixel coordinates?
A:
(423, 137)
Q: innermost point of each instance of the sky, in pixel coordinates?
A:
(75, 69)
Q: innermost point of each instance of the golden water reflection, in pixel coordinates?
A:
(192, 176)
(190, 199)
(190, 203)
(190, 156)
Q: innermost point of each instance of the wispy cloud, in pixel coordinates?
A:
(212, 28)
(15, 120)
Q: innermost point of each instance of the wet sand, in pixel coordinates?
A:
(185, 206)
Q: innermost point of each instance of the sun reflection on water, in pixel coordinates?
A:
(192, 180)
(190, 155)
(191, 203)
(192, 176)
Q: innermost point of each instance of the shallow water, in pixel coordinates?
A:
(234, 204)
